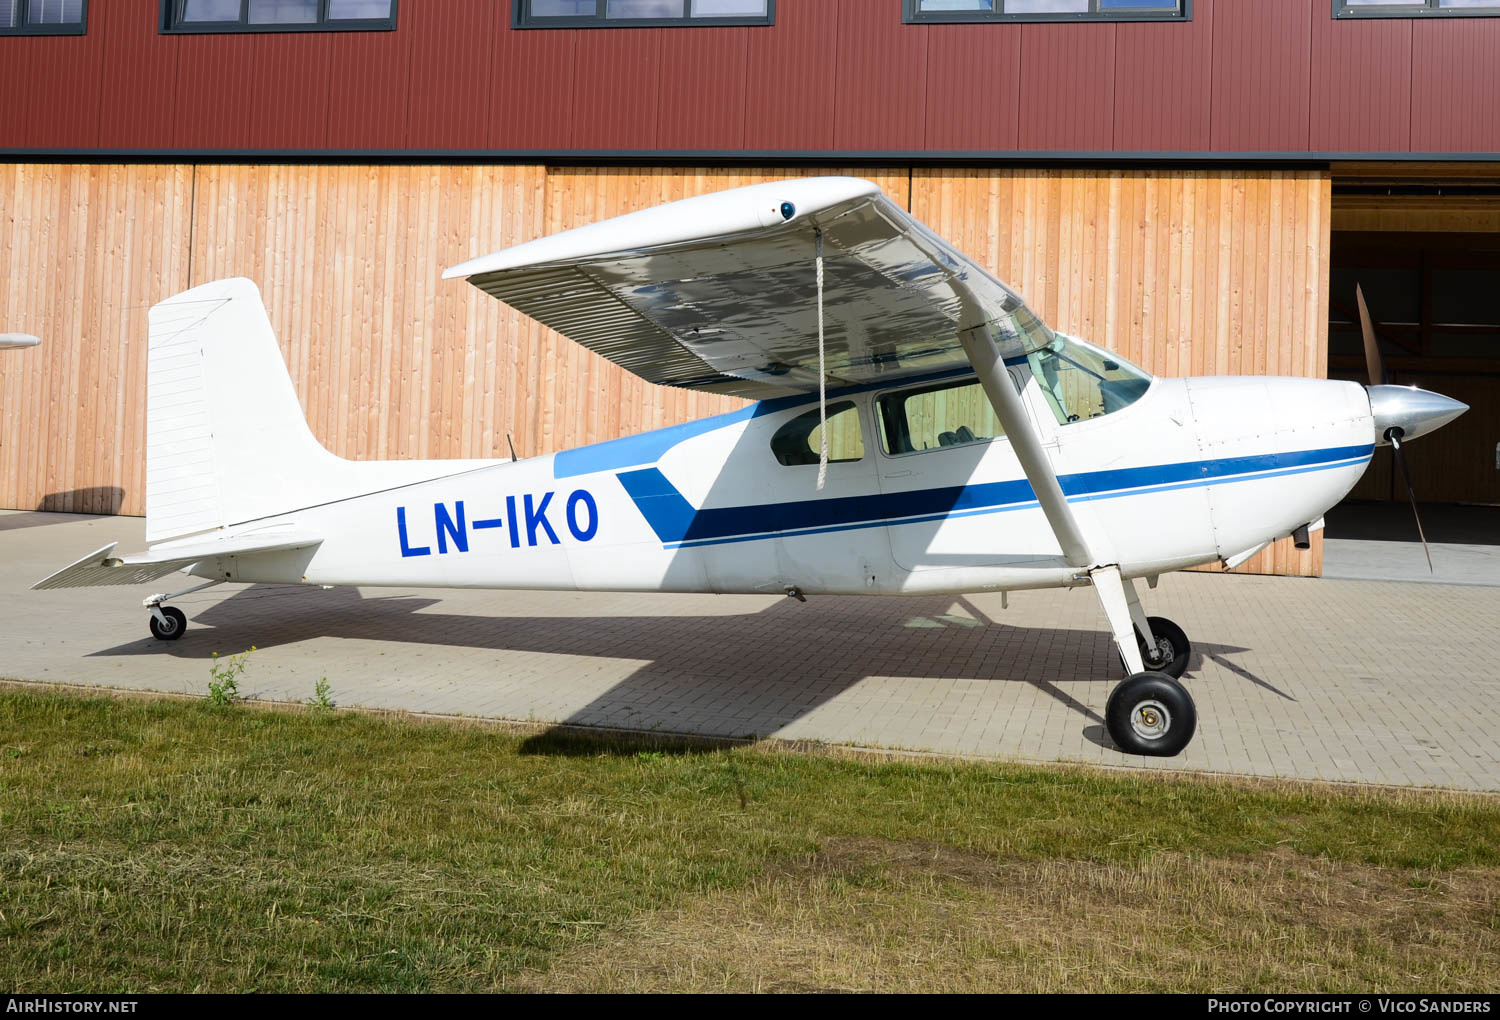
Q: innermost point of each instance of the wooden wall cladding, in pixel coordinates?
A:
(390, 360)
(1185, 272)
(84, 251)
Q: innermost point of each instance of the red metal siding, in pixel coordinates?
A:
(290, 81)
(703, 89)
(370, 73)
(13, 116)
(452, 44)
(214, 101)
(618, 90)
(531, 90)
(1164, 83)
(1455, 98)
(138, 106)
(1261, 61)
(789, 94)
(1067, 86)
(1361, 84)
(882, 78)
(973, 87)
(50, 73)
(830, 75)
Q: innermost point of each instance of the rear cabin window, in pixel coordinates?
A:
(953, 414)
(799, 441)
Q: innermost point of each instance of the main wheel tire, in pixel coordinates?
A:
(1170, 656)
(171, 630)
(1150, 714)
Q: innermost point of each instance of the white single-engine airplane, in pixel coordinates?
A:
(916, 429)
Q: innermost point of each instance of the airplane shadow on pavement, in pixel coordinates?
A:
(755, 672)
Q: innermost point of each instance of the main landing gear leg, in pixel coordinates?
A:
(1113, 596)
(1148, 713)
(169, 622)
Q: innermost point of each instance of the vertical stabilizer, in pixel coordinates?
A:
(226, 439)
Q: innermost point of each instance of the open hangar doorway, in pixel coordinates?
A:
(1424, 243)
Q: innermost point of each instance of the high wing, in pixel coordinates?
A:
(719, 292)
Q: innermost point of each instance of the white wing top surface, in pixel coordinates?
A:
(719, 292)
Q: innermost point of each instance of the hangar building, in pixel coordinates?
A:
(1195, 183)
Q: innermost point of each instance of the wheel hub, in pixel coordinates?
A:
(1150, 720)
(1161, 654)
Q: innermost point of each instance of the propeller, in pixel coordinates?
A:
(1395, 433)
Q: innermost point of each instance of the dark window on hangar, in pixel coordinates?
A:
(921, 11)
(278, 15)
(1414, 8)
(43, 17)
(641, 13)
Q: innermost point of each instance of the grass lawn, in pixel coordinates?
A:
(150, 845)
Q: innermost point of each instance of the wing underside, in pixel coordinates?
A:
(719, 292)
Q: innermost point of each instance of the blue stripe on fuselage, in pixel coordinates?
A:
(646, 448)
(676, 523)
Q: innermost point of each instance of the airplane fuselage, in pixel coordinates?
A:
(1194, 471)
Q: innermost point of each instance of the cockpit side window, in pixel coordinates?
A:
(949, 414)
(799, 441)
(1081, 381)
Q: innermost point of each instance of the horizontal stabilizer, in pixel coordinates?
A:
(102, 567)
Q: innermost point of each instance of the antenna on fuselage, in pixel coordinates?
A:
(513, 457)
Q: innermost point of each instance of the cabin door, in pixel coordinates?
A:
(955, 493)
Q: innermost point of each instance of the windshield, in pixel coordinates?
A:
(1082, 381)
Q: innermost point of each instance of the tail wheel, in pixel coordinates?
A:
(1170, 656)
(1151, 714)
(171, 629)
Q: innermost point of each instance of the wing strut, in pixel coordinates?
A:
(979, 344)
(1116, 595)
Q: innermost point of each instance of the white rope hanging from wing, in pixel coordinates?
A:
(822, 377)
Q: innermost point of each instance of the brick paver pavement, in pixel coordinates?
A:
(1316, 679)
